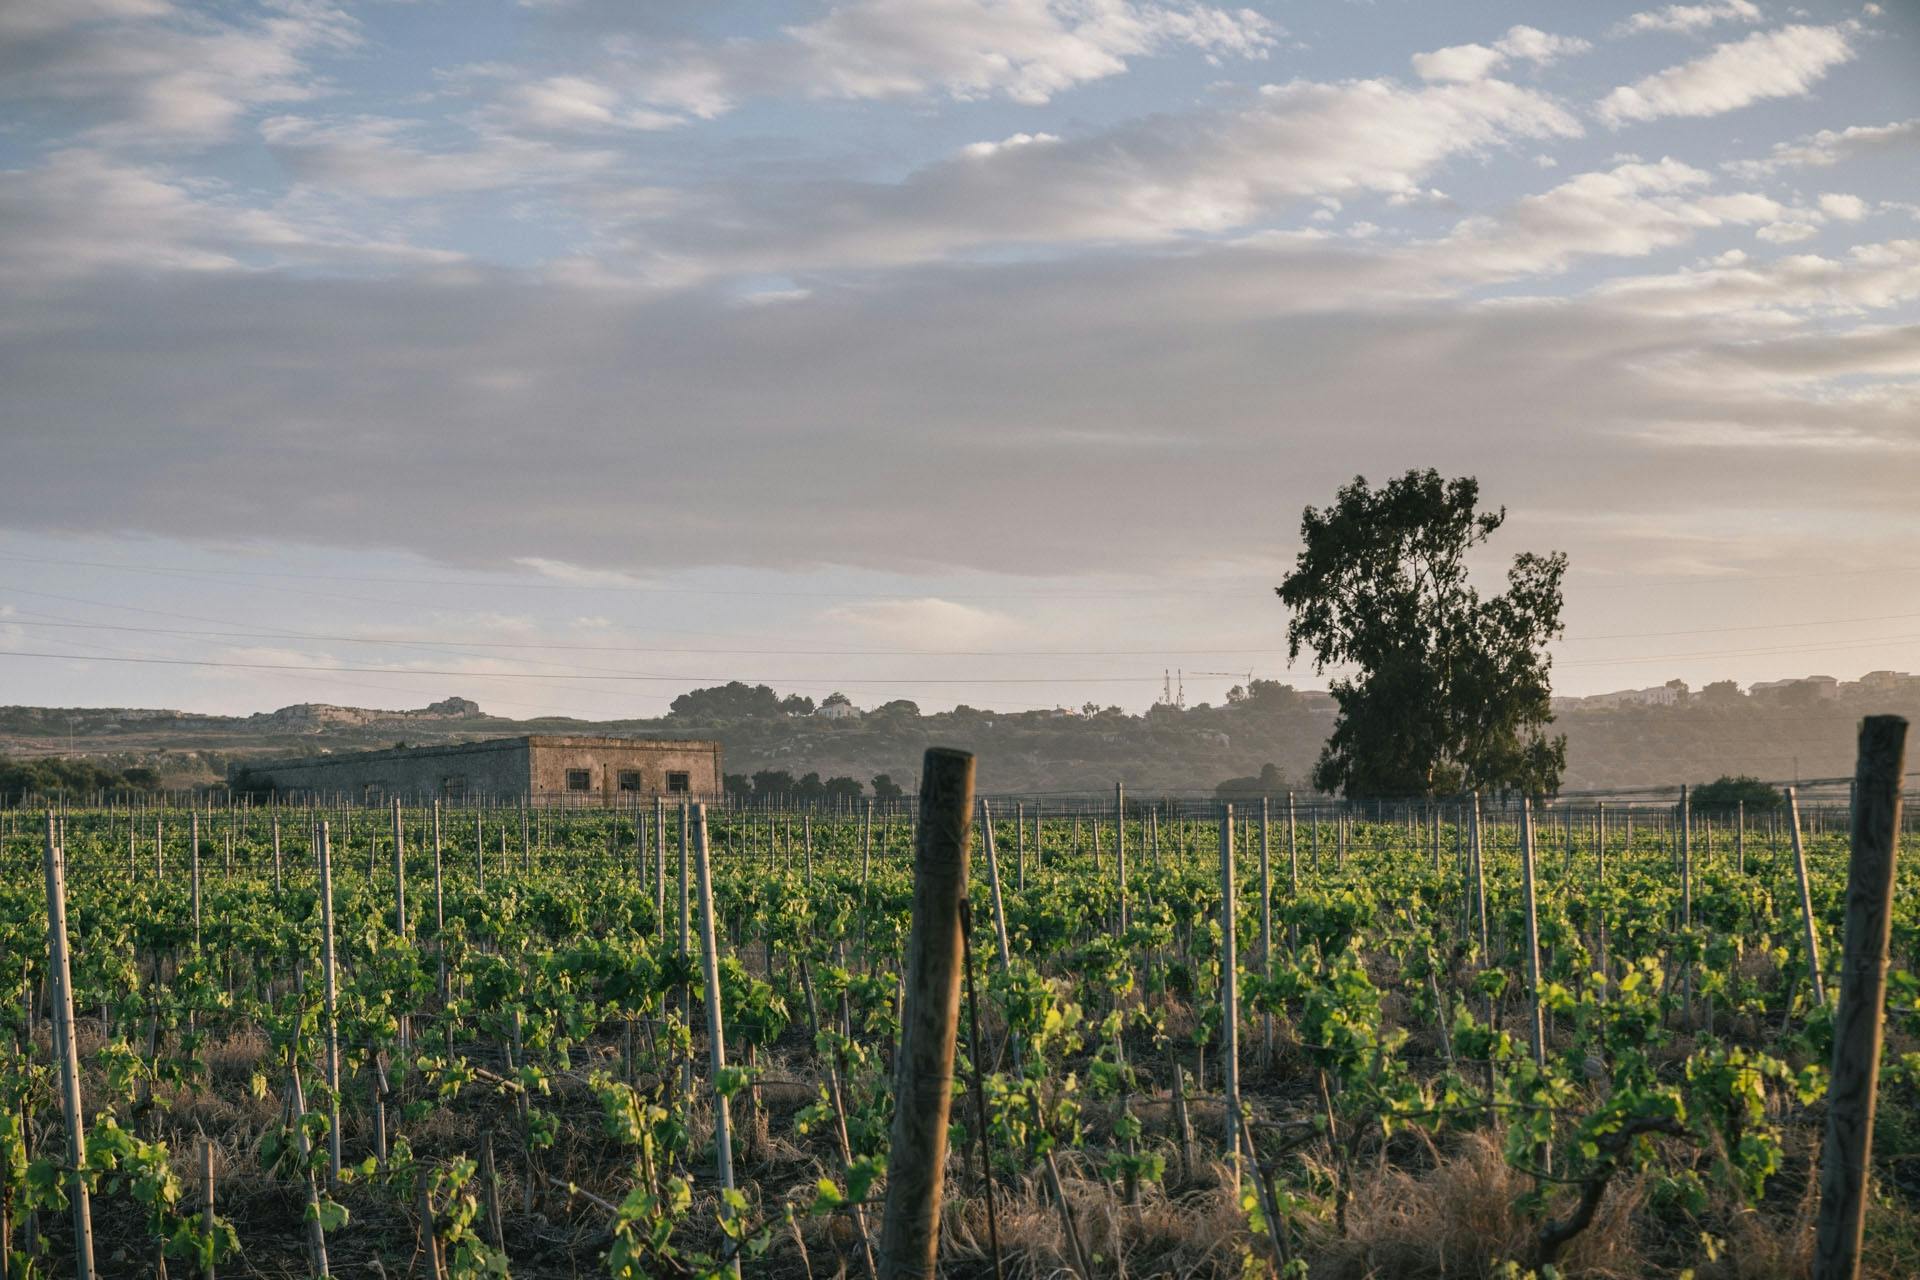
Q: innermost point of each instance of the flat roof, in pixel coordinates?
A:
(529, 740)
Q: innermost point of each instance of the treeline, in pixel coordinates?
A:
(53, 775)
(808, 788)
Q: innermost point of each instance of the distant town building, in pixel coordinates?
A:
(838, 707)
(1660, 695)
(577, 770)
(1815, 686)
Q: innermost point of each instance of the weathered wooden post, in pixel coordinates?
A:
(660, 863)
(1120, 849)
(1844, 1159)
(1020, 848)
(330, 994)
(716, 1031)
(67, 1052)
(923, 1072)
(866, 847)
(1806, 902)
(195, 868)
(439, 913)
(1266, 926)
(1229, 996)
(993, 884)
(1536, 1025)
(206, 1201)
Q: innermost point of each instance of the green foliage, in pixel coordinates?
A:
(1270, 781)
(1725, 794)
(1452, 690)
(57, 775)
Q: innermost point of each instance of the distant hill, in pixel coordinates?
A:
(1790, 729)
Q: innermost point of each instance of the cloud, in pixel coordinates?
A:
(1629, 211)
(1148, 180)
(1476, 61)
(24, 19)
(1024, 50)
(1844, 207)
(1689, 17)
(929, 622)
(379, 157)
(83, 213)
(1867, 277)
(150, 72)
(1786, 63)
(1879, 142)
(565, 103)
(1003, 399)
(574, 575)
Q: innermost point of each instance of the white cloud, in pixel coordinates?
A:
(1457, 62)
(1629, 211)
(572, 102)
(82, 213)
(1846, 208)
(574, 575)
(1868, 277)
(981, 150)
(1690, 17)
(375, 156)
(1785, 63)
(24, 19)
(1881, 142)
(1534, 45)
(929, 622)
(153, 73)
(996, 379)
(1153, 179)
(1475, 61)
(1024, 50)
(1787, 232)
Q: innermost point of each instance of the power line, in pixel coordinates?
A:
(632, 676)
(416, 642)
(623, 587)
(442, 644)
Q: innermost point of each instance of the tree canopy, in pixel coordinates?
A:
(1727, 793)
(737, 700)
(1450, 691)
(52, 775)
(1270, 781)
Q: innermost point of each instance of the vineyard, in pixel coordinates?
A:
(1456, 1039)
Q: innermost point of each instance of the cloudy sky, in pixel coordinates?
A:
(568, 353)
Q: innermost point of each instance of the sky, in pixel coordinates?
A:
(568, 354)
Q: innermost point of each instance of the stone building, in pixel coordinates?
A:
(565, 769)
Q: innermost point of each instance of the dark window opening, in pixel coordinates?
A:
(579, 779)
(679, 782)
(629, 779)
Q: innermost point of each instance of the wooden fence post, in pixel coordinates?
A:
(330, 993)
(1229, 996)
(929, 1027)
(1266, 924)
(68, 1054)
(1844, 1159)
(716, 1032)
(1806, 903)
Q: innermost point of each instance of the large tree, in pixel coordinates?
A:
(1449, 691)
